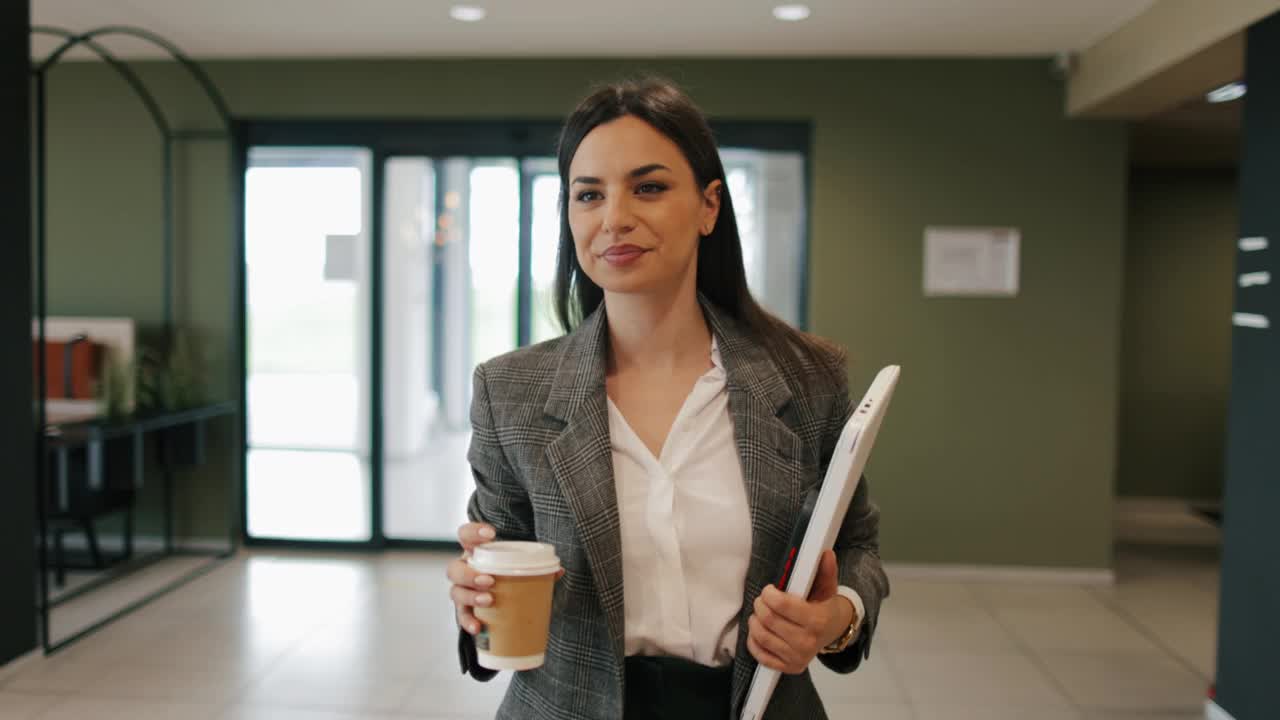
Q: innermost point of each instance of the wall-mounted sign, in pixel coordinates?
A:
(971, 261)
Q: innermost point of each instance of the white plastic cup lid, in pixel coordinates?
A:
(510, 557)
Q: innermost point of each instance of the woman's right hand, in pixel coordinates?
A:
(470, 588)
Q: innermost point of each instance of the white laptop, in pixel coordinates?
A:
(823, 513)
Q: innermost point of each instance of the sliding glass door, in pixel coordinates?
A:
(543, 180)
(307, 241)
(451, 267)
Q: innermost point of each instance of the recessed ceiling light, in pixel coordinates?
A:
(1226, 93)
(467, 13)
(791, 13)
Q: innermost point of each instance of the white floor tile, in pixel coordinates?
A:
(971, 679)
(177, 683)
(353, 692)
(873, 681)
(1183, 618)
(868, 711)
(994, 711)
(91, 708)
(460, 696)
(1191, 637)
(1128, 682)
(245, 712)
(55, 674)
(1106, 715)
(1025, 596)
(942, 629)
(1051, 630)
(24, 706)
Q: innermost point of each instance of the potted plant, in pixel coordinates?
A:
(171, 382)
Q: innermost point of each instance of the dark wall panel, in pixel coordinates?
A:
(17, 504)
(1249, 637)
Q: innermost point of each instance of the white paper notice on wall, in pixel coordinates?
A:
(971, 261)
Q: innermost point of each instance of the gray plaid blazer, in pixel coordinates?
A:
(543, 467)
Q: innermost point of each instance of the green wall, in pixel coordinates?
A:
(1001, 446)
(1176, 369)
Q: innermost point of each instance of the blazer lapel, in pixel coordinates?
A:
(770, 454)
(581, 459)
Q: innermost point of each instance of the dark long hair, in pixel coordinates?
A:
(722, 278)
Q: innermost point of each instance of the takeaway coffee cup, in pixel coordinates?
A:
(515, 626)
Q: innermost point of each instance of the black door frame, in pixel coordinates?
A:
(386, 138)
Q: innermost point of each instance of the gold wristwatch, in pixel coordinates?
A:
(841, 643)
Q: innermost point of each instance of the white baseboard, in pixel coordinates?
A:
(16, 665)
(113, 543)
(1214, 711)
(1001, 573)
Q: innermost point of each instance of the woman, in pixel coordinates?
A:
(663, 446)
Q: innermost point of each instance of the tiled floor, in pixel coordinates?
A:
(292, 636)
(79, 613)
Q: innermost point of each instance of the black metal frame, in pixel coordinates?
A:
(169, 136)
(518, 138)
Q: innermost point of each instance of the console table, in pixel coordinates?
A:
(94, 468)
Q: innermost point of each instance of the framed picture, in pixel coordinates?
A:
(71, 392)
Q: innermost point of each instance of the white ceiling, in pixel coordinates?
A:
(566, 28)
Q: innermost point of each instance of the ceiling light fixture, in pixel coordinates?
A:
(1226, 93)
(791, 13)
(467, 13)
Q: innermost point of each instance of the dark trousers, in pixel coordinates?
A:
(667, 688)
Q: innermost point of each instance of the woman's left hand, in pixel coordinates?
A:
(786, 632)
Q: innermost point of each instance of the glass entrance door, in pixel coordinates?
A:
(451, 300)
(543, 181)
(307, 281)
